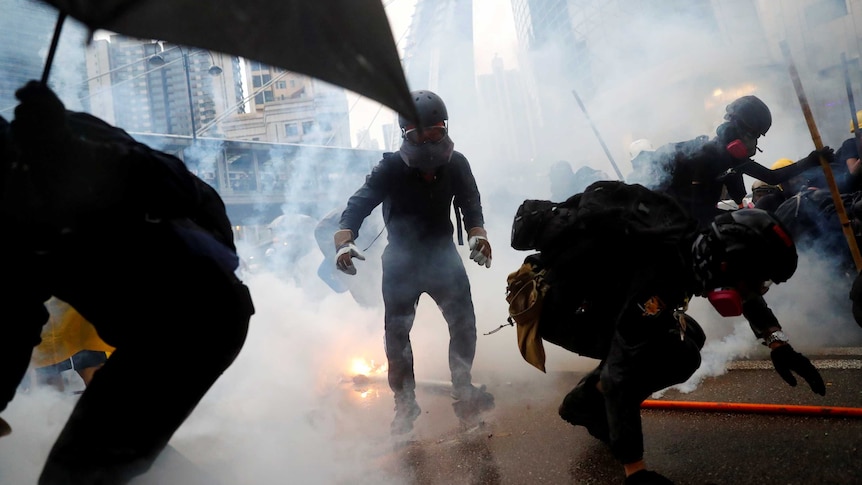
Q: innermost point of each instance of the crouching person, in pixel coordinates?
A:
(143, 250)
(630, 314)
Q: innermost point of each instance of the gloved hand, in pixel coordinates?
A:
(480, 248)
(4, 428)
(346, 250)
(647, 477)
(813, 158)
(785, 360)
(40, 118)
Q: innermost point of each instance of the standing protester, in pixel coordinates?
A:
(695, 172)
(566, 183)
(417, 186)
(143, 250)
(630, 312)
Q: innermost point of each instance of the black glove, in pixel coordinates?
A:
(40, 118)
(813, 158)
(785, 359)
(647, 477)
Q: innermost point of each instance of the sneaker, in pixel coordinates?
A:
(406, 411)
(585, 406)
(647, 477)
(470, 401)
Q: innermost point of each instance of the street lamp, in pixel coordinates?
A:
(214, 70)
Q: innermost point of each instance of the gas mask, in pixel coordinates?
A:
(739, 143)
(427, 155)
(726, 300)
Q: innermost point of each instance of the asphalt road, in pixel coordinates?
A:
(523, 441)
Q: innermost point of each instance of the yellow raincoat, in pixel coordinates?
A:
(65, 334)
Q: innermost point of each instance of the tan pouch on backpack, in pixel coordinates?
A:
(525, 291)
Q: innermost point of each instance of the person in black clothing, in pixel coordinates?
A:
(143, 250)
(631, 316)
(847, 168)
(417, 186)
(696, 172)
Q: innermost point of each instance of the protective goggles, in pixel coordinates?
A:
(745, 130)
(431, 134)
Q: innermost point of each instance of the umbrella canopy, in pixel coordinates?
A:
(344, 42)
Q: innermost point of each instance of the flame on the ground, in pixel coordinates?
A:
(364, 367)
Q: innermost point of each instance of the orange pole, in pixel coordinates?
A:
(756, 408)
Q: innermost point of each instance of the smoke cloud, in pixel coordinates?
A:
(287, 410)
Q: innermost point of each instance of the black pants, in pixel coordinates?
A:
(632, 371)
(175, 331)
(438, 271)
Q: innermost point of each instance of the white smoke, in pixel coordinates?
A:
(280, 414)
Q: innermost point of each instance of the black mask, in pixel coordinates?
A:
(427, 157)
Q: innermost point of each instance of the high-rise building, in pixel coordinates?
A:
(438, 55)
(504, 99)
(26, 28)
(153, 87)
(287, 107)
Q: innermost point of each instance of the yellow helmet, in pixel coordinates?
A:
(781, 163)
(858, 118)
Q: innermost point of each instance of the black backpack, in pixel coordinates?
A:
(209, 212)
(608, 214)
(607, 210)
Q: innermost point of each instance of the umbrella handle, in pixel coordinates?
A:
(54, 41)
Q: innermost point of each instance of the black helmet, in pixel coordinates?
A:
(748, 245)
(751, 113)
(429, 107)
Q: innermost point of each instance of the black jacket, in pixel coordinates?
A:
(696, 172)
(416, 211)
(91, 221)
(616, 296)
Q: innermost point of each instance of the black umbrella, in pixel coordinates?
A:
(344, 42)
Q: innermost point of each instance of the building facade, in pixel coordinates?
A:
(153, 87)
(287, 107)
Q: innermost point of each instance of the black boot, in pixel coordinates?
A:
(406, 411)
(470, 402)
(585, 406)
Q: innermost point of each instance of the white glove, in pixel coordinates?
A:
(480, 250)
(344, 258)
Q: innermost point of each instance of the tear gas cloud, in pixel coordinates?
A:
(278, 412)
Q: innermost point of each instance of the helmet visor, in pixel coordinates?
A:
(431, 134)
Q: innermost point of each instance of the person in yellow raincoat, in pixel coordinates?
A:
(69, 341)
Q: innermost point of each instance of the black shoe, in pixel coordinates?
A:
(585, 406)
(647, 477)
(470, 401)
(406, 411)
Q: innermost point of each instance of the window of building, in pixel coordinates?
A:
(291, 130)
(281, 85)
(267, 96)
(824, 11)
(308, 127)
(258, 99)
(267, 78)
(255, 81)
